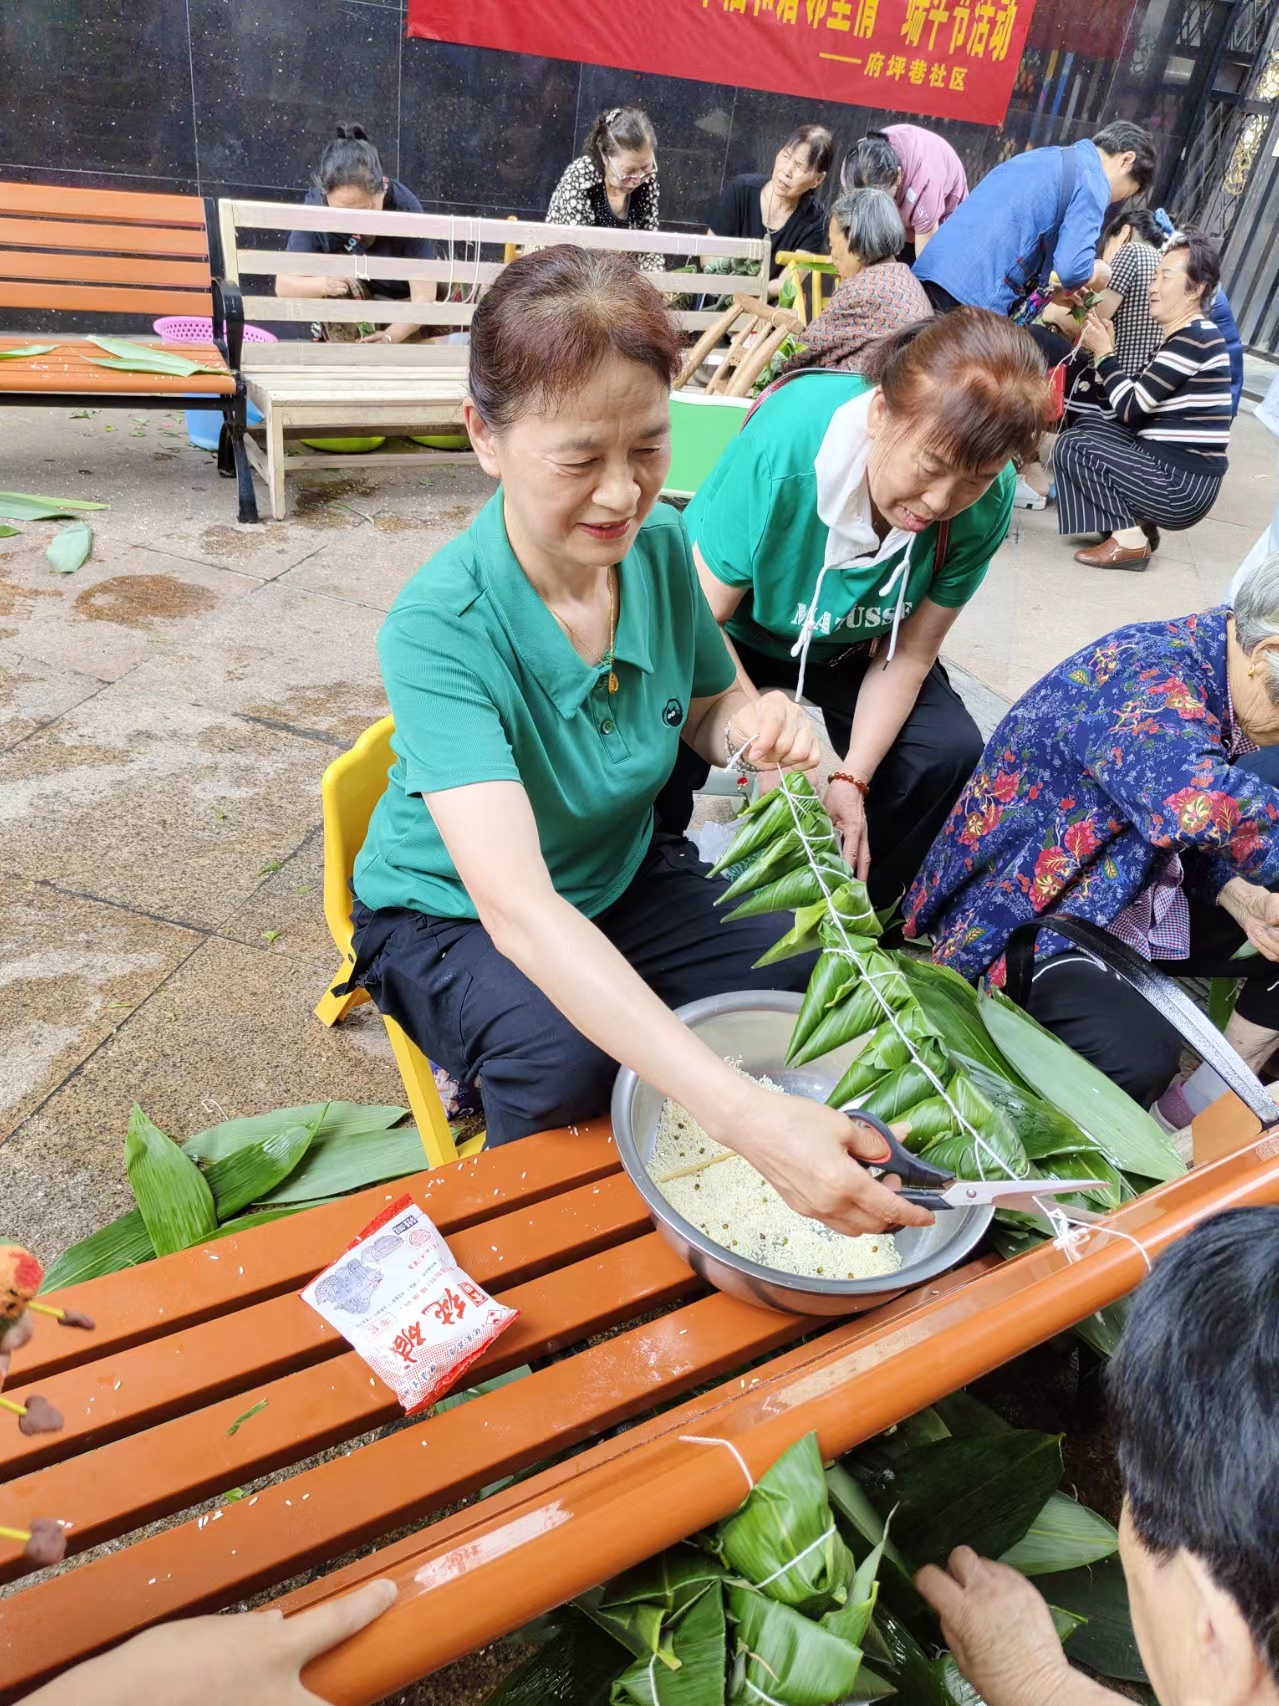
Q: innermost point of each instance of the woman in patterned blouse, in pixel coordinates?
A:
(614, 183)
(877, 294)
(1137, 786)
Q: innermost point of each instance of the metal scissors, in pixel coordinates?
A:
(936, 1188)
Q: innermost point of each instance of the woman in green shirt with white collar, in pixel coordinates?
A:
(515, 911)
(837, 540)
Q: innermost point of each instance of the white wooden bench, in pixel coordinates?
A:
(333, 390)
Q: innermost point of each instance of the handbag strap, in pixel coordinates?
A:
(1167, 998)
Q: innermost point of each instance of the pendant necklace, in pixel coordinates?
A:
(607, 660)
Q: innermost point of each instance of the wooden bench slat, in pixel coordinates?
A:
(105, 299)
(69, 367)
(152, 1474)
(150, 1301)
(452, 1531)
(322, 1511)
(56, 265)
(128, 207)
(240, 1348)
(97, 235)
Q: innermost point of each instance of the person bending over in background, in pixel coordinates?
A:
(782, 206)
(919, 169)
(1161, 460)
(1192, 1391)
(351, 177)
(877, 295)
(614, 183)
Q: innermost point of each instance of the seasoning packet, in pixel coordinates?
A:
(409, 1311)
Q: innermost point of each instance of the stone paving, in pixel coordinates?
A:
(165, 716)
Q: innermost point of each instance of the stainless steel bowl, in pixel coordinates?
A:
(755, 1027)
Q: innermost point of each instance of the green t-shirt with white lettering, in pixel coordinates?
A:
(484, 686)
(756, 523)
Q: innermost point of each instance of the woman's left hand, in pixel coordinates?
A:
(780, 734)
(847, 810)
(1097, 335)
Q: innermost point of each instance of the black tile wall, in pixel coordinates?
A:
(97, 86)
(185, 94)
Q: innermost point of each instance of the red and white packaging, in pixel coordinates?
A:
(410, 1312)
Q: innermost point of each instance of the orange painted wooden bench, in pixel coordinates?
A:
(640, 1377)
(69, 253)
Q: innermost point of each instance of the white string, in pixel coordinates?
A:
(851, 953)
(786, 1568)
(698, 1439)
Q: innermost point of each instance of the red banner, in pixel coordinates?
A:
(935, 58)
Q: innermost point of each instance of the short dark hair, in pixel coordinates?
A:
(1123, 138)
(1203, 263)
(350, 159)
(549, 319)
(1194, 1394)
(1140, 221)
(618, 128)
(816, 141)
(974, 381)
(871, 164)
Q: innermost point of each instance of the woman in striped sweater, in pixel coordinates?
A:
(1161, 460)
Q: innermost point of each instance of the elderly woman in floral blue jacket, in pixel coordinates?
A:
(1137, 786)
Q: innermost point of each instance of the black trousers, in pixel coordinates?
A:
(475, 1014)
(1106, 1021)
(920, 778)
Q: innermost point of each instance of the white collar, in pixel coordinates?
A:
(843, 497)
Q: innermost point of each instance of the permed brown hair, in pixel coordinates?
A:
(972, 380)
(551, 317)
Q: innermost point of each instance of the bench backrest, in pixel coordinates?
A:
(473, 254)
(103, 251)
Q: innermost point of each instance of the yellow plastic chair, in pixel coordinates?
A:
(352, 786)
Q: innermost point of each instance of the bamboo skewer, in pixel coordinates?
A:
(697, 1167)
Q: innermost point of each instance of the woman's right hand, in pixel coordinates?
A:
(1256, 911)
(807, 1152)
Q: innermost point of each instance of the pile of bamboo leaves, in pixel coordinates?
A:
(772, 1607)
(237, 1175)
(984, 1090)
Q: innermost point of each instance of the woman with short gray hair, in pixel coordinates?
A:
(877, 294)
(1136, 786)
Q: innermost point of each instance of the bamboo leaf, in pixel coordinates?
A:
(950, 1006)
(1105, 1642)
(122, 1243)
(175, 1199)
(574, 1668)
(801, 938)
(69, 548)
(983, 1492)
(27, 349)
(699, 1650)
(335, 1119)
(348, 1161)
(1043, 1130)
(29, 506)
(1064, 1536)
(1124, 1132)
(252, 1172)
(129, 357)
(784, 1538)
(785, 1657)
(798, 888)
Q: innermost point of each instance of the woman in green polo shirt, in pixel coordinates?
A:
(515, 911)
(851, 520)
